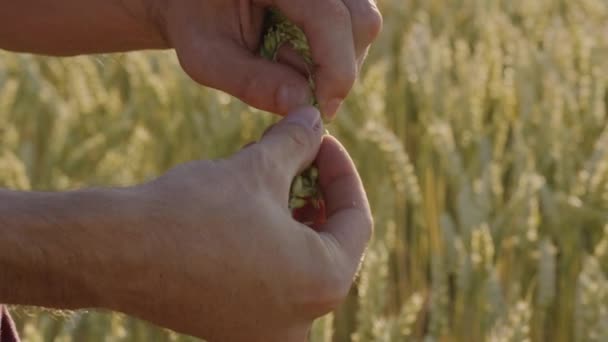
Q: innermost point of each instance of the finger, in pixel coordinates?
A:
(289, 56)
(367, 24)
(292, 144)
(349, 225)
(251, 19)
(269, 86)
(328, 28)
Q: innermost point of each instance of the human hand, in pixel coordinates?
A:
(220, 255)
(217, 44)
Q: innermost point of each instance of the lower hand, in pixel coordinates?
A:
(221, 256)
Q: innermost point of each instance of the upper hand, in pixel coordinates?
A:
(221, 256)
(217, 43)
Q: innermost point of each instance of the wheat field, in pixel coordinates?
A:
(480, 130)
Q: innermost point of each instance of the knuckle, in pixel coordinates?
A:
(327, 282)
(190, 61)
(192, 69)
(249, 90)
(370, 227)
(331, 290)
(372, 22)
(351, 75)
(337, 11)
(344, 79)
(262, 167)
(318, 282)
(367, 223)
(298, 137)
(250, 170)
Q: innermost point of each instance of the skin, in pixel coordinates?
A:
(216, 41)
(208, 249)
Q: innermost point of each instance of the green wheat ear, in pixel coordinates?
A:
(281, 30)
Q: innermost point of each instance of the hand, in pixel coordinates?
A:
(217, 43)
(221, 257)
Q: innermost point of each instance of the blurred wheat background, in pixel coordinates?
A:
(479, 128)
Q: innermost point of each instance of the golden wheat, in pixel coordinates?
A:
(480, 131)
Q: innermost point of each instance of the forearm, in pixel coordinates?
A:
(71, 27)
(58, 249)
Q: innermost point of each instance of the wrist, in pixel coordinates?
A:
(106, 221)
(62, 250)
(117, 247)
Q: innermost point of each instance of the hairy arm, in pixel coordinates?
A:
(71, 27)
(59, 250)
(208, 249)
(216, 41)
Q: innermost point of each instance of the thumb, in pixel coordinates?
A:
(292, 144)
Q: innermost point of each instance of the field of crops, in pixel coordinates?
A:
(480, 128)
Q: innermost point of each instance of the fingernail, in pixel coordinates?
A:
(307, 117)
(292, 96)
(331, 108)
